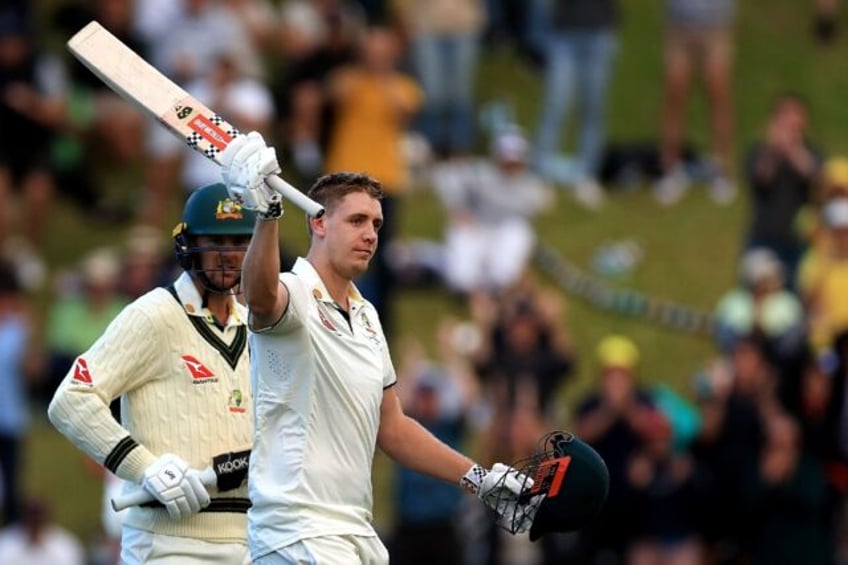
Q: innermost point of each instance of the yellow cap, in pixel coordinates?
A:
(617, 351)
(836, 172)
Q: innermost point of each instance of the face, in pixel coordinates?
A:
(380, 50)
(792, 114)
(223, 260)
(348, 233)
(616, 385)
(748, 364)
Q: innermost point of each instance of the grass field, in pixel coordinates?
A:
(690, 249)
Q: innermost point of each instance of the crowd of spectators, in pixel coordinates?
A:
(749, 466)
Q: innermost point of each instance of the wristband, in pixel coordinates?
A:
(472, 479)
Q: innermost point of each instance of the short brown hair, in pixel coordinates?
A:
(331, 188)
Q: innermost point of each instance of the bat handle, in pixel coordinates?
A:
(295, 196)
(136, 498)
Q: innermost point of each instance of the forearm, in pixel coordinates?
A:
(84, 418)
(261, 270)
(803, 161)
(413, 446)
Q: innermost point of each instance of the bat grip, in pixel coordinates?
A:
(139, 497)
(295, 196)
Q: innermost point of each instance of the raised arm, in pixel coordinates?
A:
(267, 298)
(245, 164)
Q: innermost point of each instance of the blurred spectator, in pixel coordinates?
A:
(832, 183)
(373, 103)
(669, 492)
(445, 40)
(526, 353)
(153, 18)
(734, 406)
(835, 440)
(699, 34)
(521, 23)
(376, 11)
(146, 262)
(440, 393)
(579, 52)
(615, 418)
(781, 171)
(834, 178)
(824, 277)
(246, 102)
(259, 22)
(15, 349)
(37, 540)
(97, 118)
(789, 500)
(80, 313)
(489, 238)
(29, 106)
(182, 52)
(825, 21)
(317, 37)
(760, 304)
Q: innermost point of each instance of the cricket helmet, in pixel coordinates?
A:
(209, 211)
(570, 485)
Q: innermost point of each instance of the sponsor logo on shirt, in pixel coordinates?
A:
(235, 402)
(325, 321)
(200, 374)
(81, 374)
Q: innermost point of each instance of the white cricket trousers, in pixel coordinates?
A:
(141, 546)
(487, 257)
(330, 550)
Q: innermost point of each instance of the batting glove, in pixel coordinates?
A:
(500, 488)
(245, 164)
(176, 486)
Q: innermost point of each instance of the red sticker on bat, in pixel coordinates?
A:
(210, 132)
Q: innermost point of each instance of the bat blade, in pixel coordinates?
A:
(144, 86)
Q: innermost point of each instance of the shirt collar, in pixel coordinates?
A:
(304, 269)
(193, 303)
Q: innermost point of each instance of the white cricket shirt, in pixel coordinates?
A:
(317, 382)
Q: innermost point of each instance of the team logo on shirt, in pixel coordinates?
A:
(200, 374)
(236, 401)
(81, 374)
(370, 332)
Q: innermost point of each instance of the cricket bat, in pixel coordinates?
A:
(144, 86)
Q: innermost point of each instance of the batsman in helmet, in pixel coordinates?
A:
(177, 358)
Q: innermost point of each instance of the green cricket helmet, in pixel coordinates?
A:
(570, 486)
(209, 211)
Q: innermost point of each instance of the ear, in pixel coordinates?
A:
(318, 225)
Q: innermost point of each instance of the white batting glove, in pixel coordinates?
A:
(499, 488)
(176, 486)
(245, 163)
